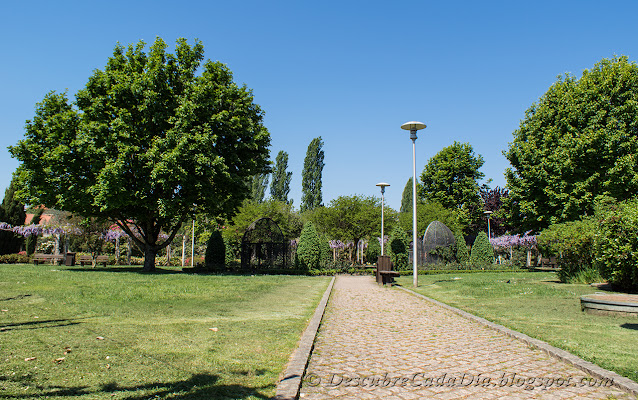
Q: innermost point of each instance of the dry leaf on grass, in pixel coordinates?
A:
(59, 360)
(29, 358)
(4, 310)
(213, 329)
(99, 338)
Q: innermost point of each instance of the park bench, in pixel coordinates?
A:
(549, 262)
(84, 259)
(47, 258)
(385, 274)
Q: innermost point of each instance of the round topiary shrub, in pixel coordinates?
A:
(482, 252)
(215, 257)
(309, 248)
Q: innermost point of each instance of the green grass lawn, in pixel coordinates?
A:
(77, 333)
(536, 304)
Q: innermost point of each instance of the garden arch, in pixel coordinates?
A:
(436, 235)
(263, 246)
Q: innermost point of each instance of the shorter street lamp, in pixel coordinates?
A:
(489, 217)
(382, 185)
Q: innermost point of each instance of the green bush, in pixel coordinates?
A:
(309, 248)
(462, 255)
(399, 247)
(15, 258)
(482, 253)
(215, 257)
(572, 243)
(616, 245)
(374, 250)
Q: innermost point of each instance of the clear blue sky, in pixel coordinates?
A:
(349, 71)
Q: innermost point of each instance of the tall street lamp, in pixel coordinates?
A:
(382, 185)
(413, 126)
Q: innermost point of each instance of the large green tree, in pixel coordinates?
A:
(451, 178)
(152, 139)
(352, 218)
(280, 185)
(579, 141)
(12, 213)
(311, 197)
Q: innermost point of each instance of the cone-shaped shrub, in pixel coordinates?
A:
(215, 257)
(309, 248)
(462, 255)
(482, 252)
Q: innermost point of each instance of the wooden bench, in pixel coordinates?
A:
(385, 274)
(84, 259)
(549, 262)
(44, 258)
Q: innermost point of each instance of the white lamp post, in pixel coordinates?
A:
(382, 185)
(413, 126)
(489, 217)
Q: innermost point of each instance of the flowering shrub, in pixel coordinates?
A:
(15, 258)
(573, 245)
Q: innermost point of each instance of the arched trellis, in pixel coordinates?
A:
(436, 235)
(263, 246)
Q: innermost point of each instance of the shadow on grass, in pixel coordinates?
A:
(39, 324)
(139, 270)
(633, 327)
(197, 387)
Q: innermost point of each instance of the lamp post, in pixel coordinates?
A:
(382, 185)
(413, 126)
(489, 217)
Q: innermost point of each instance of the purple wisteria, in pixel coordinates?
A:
(508, 241)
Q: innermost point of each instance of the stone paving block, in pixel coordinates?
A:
(382, 343)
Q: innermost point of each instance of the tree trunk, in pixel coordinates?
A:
(149, 258)
(117, 250)
(128, 252)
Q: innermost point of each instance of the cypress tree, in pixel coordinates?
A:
(258, 185)
(462, 255)
(11, 212)
(406, 198)
(215, 257)
(309, 248)
(311, 177)
(280, 185)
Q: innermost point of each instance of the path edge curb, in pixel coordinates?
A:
(594, 370)
(288, 387)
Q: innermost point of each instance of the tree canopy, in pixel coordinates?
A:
(579, 141)
(147, 142)
(352, 218)
(451, 178)
(311, 197)
(280, 185)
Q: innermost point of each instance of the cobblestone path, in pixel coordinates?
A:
(382, 343)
